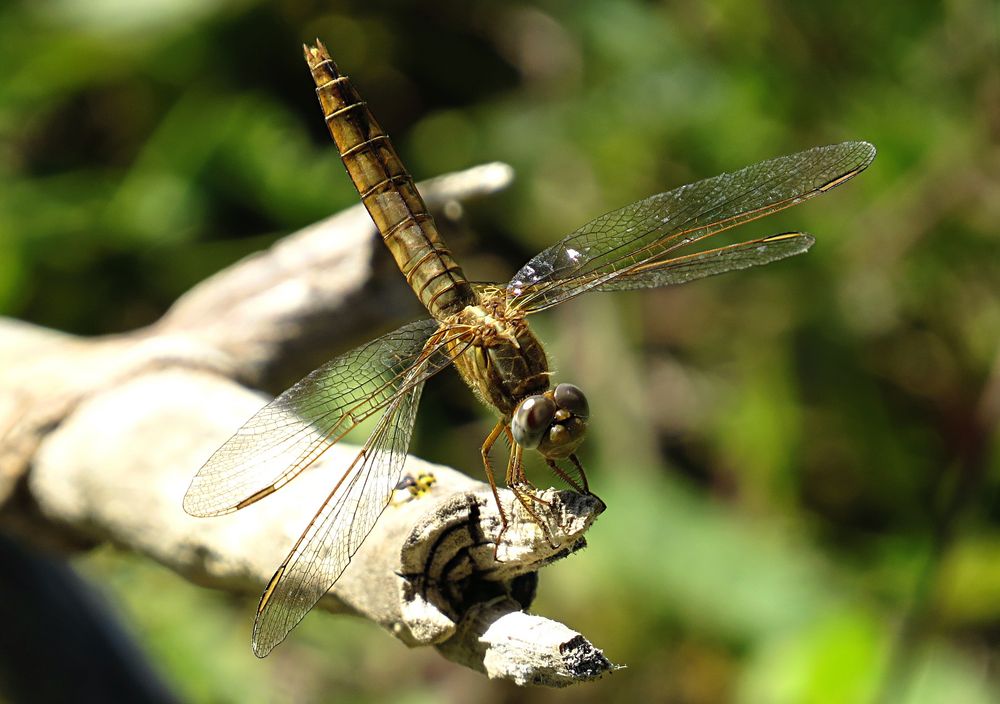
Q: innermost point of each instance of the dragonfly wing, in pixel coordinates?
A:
(679, 270)
(338, 529)
(622, 242)
(295, 428)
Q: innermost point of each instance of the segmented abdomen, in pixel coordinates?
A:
(388, 192)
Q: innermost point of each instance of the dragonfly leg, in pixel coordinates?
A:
(583, 478)
(583, 475)
(517, 482)
(562, 474)
(526, 497)
(525, 492)
(486, 449)
(513, 459)
(515, 467)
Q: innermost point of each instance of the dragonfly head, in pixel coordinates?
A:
(553, 423)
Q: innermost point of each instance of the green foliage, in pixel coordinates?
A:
(779, 448)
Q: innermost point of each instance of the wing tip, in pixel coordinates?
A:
(864, 152)
(190, 504)
(869, 151)
(202, 506)
(261, 650)
(794, 243)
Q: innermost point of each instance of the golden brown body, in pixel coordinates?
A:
(388, 192)
(506, 362)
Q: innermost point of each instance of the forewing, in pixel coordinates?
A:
(679, 270)
(295, 428)
(620, 243)
(340, 526)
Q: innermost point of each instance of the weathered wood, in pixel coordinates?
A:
(99, 439)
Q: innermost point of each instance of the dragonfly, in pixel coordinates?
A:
(479, 329)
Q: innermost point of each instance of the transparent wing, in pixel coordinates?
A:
(294, 429)
(678, 270)
(338, 529)
(619, 244)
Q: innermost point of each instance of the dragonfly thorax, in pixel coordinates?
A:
(503, 361)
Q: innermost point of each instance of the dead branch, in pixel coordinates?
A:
(99, 439)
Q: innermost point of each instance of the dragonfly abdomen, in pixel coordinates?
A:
(388, 192)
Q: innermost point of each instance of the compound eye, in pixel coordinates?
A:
(531, 420)
(572, 399)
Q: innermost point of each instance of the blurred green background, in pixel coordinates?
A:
(800, 461)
